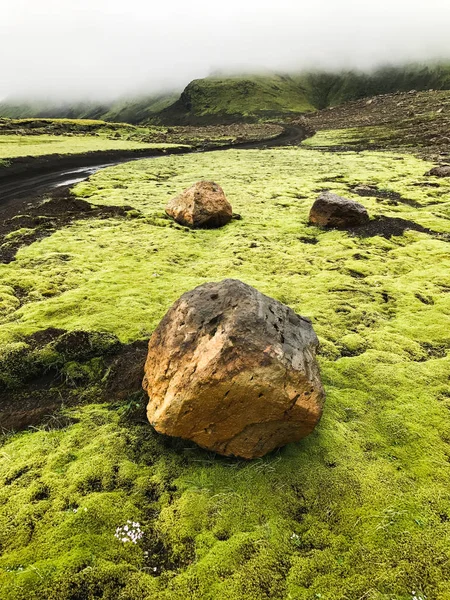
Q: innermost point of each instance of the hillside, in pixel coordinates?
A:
(413, 121)
(228, 99)
(331, 89)
(131, 110)
(238, 98)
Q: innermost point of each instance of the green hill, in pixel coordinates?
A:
(134, 110)
(239, 98)
(140, 110)
(26, 109)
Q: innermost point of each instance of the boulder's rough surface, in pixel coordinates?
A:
(234, 371)
(202, 205)
(443, 171)
(330, 210)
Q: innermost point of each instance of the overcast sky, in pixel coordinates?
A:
(105, 48)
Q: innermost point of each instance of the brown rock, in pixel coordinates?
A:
(234, 371)
(202, 205)
(443, 171)
(330, 210)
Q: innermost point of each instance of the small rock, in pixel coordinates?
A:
(234, 371)
(202, 205)
(439, 171)
(330, 210)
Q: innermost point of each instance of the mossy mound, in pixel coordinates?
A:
(360, 509)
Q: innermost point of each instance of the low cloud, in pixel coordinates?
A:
(99, 49)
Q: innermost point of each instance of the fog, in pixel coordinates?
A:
(101, 49)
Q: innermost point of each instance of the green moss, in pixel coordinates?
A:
(361, 508)
(23, 232)
(13, 146)
(353, 136)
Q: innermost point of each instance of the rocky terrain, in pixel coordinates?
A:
(416, 122)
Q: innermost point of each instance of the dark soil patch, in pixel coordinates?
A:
(426, 184)
(393, 226)
(42, 220)
(308, 240)
(356, 274)
(370, 191)
(434, 351)
(44, 337)
(126, 371)
(36, 382)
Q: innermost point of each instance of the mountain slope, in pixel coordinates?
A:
(235, 98)
(331, 89)
(133, 110)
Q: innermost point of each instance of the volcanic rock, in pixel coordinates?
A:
(202, 205)
(234, 371)
(443, 171)
(330, 210)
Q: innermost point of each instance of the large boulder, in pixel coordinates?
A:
(330, 210)
(202, 205)
(234, 371)
(443, 171)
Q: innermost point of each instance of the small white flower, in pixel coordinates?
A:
(130, 532)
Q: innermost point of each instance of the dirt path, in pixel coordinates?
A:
(27, 176)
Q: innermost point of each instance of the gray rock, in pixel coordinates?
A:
(443, 171)
(330, 210)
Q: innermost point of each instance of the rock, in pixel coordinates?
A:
(330, 210)
(443, 171)
(202, 205)
(234, 371)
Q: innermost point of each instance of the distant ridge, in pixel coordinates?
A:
(247, 98)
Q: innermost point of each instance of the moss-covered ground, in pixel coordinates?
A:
(358, 510)
(353, 136)
(39, 137)
(13, 146)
